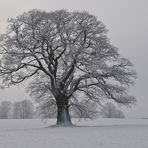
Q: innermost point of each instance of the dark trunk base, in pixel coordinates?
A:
(63, 117)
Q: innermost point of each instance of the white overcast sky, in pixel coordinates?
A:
(127, 21)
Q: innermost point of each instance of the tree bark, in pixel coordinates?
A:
(63, 116)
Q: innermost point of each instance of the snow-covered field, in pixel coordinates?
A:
(100, 133)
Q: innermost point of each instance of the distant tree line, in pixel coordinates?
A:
(25, 109)
(17, 110)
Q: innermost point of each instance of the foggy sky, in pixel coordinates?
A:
(127, 22)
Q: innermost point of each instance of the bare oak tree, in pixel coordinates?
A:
(69, 58)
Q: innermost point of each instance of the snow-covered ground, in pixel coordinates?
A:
(100, 133)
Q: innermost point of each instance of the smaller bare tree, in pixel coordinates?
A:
(23, 110)
(110, 111)
(5, 109)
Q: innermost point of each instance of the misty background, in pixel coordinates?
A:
(127, 22)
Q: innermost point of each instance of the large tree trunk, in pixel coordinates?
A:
(63, 116)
